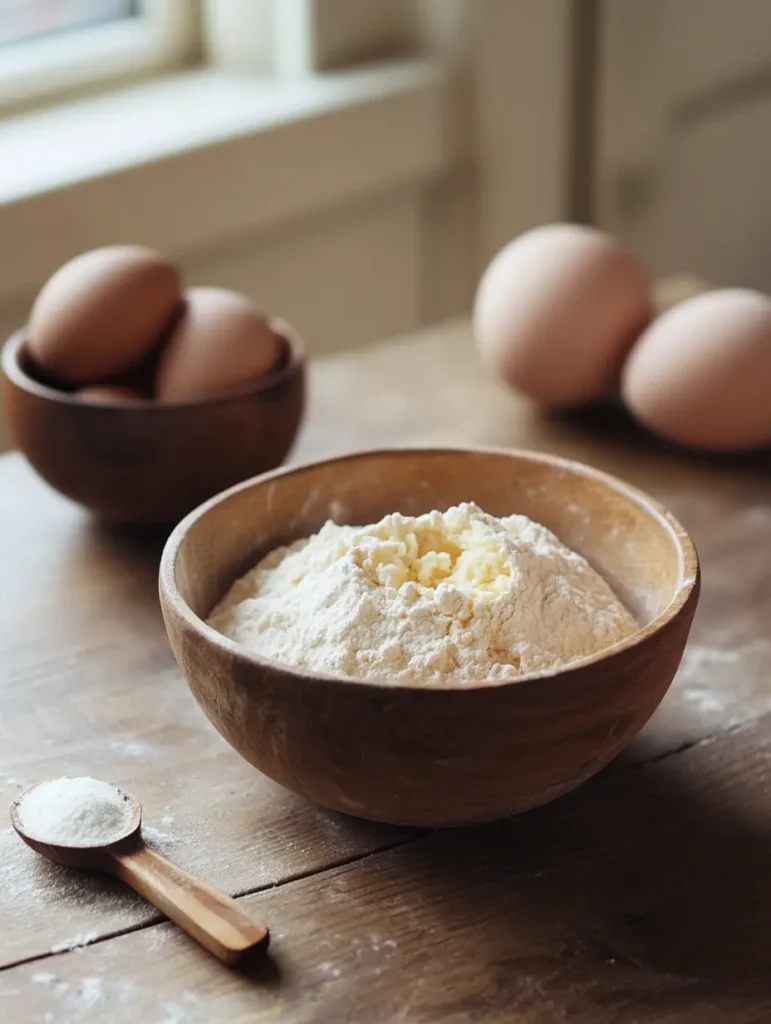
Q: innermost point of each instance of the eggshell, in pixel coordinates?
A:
(222, 341)
(557, 310)
(109, 395)
(700, 374)
(102, 313)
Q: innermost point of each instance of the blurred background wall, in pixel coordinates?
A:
(682, 143)
(354, 165)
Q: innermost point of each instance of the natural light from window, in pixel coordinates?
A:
(23, 20)
(51, 47)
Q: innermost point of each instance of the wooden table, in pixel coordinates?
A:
(645, 896)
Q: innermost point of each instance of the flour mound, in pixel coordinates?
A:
(438, 599)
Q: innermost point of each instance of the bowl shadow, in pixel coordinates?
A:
(609, 419)
(646, 888)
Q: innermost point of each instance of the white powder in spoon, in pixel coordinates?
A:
(74, 812)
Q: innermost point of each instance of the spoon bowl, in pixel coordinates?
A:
(94, 856)
(213, 919)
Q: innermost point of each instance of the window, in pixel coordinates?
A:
(50, 47)
(22, 20)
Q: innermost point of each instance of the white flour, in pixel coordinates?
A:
(444, 598)
(74, 812)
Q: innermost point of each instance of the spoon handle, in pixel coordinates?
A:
(207, 915)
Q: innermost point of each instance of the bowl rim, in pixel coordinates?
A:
(12, 368)
(689, 569)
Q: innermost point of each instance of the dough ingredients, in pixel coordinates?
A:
(444, 598)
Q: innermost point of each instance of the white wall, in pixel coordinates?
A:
(684, 154)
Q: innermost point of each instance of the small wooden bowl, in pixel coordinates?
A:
(147, 462)
(414, 756)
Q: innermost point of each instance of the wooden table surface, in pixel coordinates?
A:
(644, 896)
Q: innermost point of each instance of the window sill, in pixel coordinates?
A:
(197, 158)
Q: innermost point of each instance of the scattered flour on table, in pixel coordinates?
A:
(131, 748)
(159, 935)
(30, 881)
(91, 903)
(727, 682)
(74, 812)
(182, 1010)
(87, 996)
(442, 598)
(76, 942)
(161, 840)
(31, 886)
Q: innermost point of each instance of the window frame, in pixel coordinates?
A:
(275, 38)
(53, 67)
(294, 38)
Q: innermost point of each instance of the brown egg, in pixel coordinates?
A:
(222, 341)
(557, 310)
(102, 313)
(108, 395)
(700, 374)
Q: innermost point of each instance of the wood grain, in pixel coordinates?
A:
(212, 918)
(642, 898)
(218, 922)
(88, 685)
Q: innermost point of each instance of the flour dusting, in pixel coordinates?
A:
(79, 997)
(727, 683)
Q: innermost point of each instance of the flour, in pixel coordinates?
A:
(74, 812)
(443, 598)
(93, 997)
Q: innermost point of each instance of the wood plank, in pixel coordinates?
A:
(643, 897)
(89, 686)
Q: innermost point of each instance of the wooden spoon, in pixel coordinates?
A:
(213, 919)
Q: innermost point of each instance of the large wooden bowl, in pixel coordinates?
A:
(413, 756)
(149, 462)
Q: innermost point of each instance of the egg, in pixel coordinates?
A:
(557, 310)
(223, 340)
(108, 395)
(700, 374)
(102, 313)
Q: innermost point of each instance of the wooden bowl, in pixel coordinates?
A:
(147, 462)
(432, 757)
